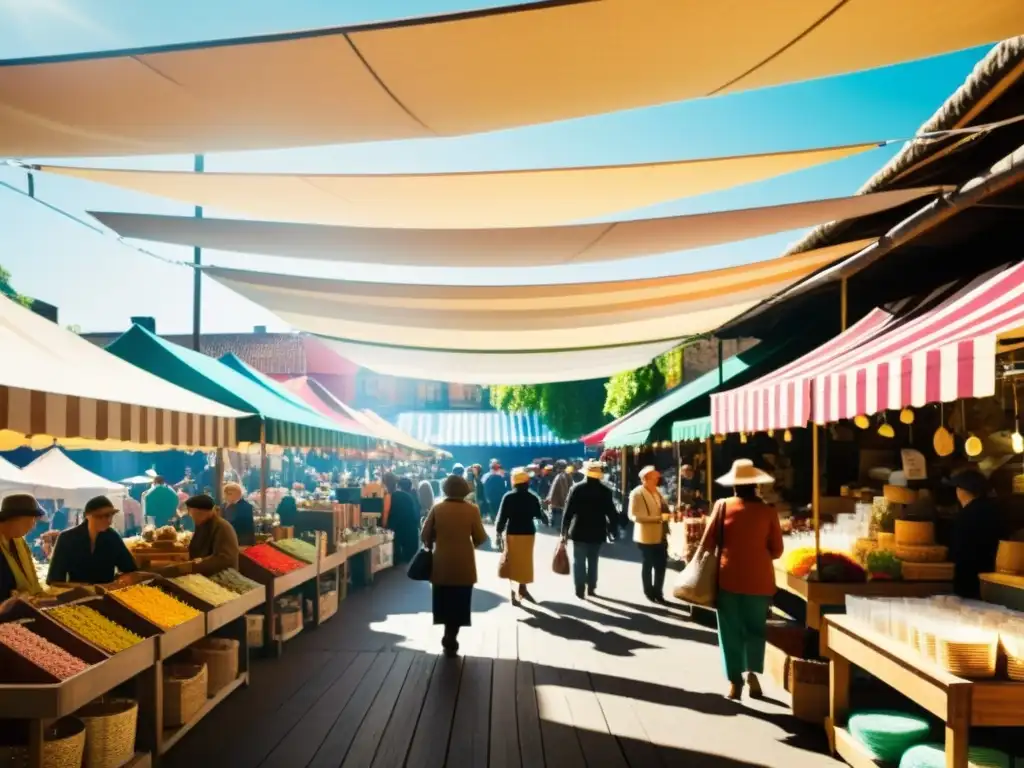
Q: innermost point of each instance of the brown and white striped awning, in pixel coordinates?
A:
(58, 388)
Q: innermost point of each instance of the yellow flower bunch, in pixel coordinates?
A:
(95, 627)
(205, 589)
(156, 606)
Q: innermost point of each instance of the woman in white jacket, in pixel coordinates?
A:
(646, 509)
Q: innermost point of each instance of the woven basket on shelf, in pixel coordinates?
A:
(254, 629)
(1013, 649)
(109, 731)
(63, 747)
(221, 658)
(184, 693)
(927, 571)
(925, 644)
(914, 532)
(921, 553)
(968, 659)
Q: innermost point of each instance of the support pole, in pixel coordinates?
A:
(263, 469)
(679, 474)
(625, 469)
(709, 447)
(842, 305)
(816, 489)
(721, 372)
(197, 275)
(218, 476)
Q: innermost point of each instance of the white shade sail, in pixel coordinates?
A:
(522, 247)
(471, 72)
(499, 368)
(522, 317)
(463, 200)
(55, 476)
(58, 386)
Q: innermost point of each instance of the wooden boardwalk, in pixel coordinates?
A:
(565, 683)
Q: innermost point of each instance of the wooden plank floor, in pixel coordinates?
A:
(601, 683)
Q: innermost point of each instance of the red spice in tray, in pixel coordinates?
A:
(274, 560)
(41, 651)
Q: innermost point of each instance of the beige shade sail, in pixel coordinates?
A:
(460, 74)
(476, 200)
(523, 367)
(522, 247)
(508, 318)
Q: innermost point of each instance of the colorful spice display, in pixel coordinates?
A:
(236, 582)
(205, 589)
(40, 651)
(834, 566)
(95, 627)
(273, 560)
(156, 606)
(297, 548)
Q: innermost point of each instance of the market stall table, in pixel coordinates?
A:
(1003, 589)
(823, 595)
(276, 586)
(958, 702)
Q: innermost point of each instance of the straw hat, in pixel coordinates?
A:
(520, 476)
(594, 469)
(744, 472)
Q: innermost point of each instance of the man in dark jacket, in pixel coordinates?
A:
(495, 487)
(590, 519)
(975, 533)
(558, 493)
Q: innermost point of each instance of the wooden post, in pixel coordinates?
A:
(625, 469)
(709, 447)
(816, 489)
(197, 274)
(842, 304)
(218, 476)
(679, 474)
(263, 468)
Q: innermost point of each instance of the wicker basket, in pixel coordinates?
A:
(1013, 648)
(288, 621)
(109, 731)
(921, 553)
(970, 659)
(254, 629)
(914, 533)
(184, 693)
(63, 747)
(927, 571)
(221, 658)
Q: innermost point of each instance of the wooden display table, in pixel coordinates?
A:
(831, 594)
(959, 703)
(1003, 589)
(275, 587)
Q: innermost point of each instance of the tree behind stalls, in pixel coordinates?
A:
(631, 389)
(569, 408)
(7, 290)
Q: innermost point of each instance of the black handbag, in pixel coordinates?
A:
(422, 565)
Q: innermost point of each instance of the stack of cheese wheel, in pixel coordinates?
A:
(1010, 557)
(916, 547)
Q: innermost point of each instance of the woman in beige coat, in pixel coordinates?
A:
(454, 529)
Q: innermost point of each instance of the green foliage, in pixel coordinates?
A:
(571, 408)
(7, 290)
(630, 389)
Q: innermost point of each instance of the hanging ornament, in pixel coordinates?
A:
(787, 436)
(907, 416)
(885, 429)
(973, 446)
(862, 421)
(743, 437)
(771, 433)
(942, 440)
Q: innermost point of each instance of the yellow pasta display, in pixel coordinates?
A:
(205, 589)
(156, 606)
(95, 627)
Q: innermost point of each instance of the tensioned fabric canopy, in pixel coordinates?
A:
(689, 430)
(938, 349)
(55, 476)
(287, 424)
(471, 72)
(399, 435)
(523, 317)
(522, 247)
(57, 387)
(522, 367)
(596, 438)
(462, 200)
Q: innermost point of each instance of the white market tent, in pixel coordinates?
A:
(11, 478)
(55, 476)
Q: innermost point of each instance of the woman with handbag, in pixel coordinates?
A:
(454, 529)
(648, 511)
(517, 531)
(747, 534)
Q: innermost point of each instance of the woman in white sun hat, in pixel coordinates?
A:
(746, 576)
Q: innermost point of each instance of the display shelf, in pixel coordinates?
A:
(284, 638)
(172, 736)
(851, 750)
(821, 595)
(275, 586)
(140, 760)
(222, 615)
(1003, 589)
(333, 560)
(959, 703)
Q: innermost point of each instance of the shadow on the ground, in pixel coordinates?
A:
(603, 641)
(636, 622)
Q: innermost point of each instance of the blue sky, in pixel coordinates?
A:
(99, 284)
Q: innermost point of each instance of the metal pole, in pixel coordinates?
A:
(842, 305)
(709, 446)
(721, 373)
(816, 489)
(679, 475)
(197, 274)
(263, 468)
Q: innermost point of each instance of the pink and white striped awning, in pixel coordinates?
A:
(939, 348)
